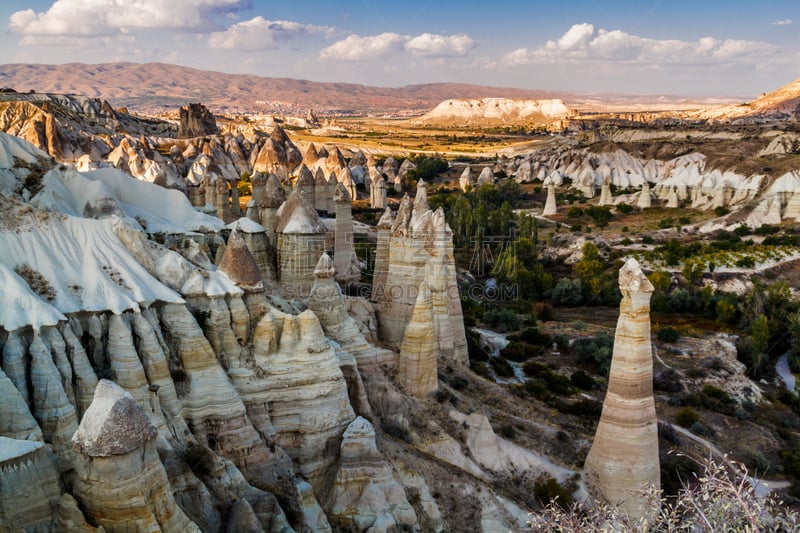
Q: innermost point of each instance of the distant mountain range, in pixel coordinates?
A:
(154, 87)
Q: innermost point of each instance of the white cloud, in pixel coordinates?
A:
(584, 43)
(357, 48)
(261, 34)
(86, 18)
(578, 36)
(432, 45)
(784, 22)
(360, 48)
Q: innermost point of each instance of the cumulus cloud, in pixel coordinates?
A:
(261, 34)
(432, 45)
(79, 18)
(783, 22)
(359, 48)
(583, 42)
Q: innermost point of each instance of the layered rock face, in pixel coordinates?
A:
(365, 494)
(30, 487)
(120, 480)
(345, 260)
(306, 390)
(623, 459)
(196, 121)
(418, 350)
(300, 242)
(420, 236)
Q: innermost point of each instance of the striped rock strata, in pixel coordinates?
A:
(624, 456)
(120, 480)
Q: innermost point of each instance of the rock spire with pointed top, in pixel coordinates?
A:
(623, 459)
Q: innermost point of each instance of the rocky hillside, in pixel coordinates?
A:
(495, 112)
(781, 104)
(156, 86)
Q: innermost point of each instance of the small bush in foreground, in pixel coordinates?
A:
(722, 499)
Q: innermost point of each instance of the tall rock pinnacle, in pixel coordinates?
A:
(624, 456)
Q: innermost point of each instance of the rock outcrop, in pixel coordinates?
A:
(348, 267)
(120, 480)
(623, 459)
(418, 350)
(420, 236)
(30, 486)
(645, 201)
(306, 390)
(300, 242)
(196, 121)
(465, 181)
(240, 266)
(365, 494)
(550, 207)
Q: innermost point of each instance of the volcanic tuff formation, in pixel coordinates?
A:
(243, 406)
(496, 111)
(623, 460)
(196, 121)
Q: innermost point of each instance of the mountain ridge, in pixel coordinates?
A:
(161, 87)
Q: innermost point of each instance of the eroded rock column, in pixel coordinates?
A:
(623, 460)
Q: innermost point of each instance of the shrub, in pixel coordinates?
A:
(533, 368)
(746, 262)
(624, 208)
(548, 491)
(676, 471)
(667, 222)
(721, 500)
(534, 336)
(502, 319)
(626, 242)
(714, 392)
(647, 239)
(721, 211)
(596, 351)
(668, 334)
(600, 214)
(396, 430)
(686, 417)
(668, 380)
(576, 228)
(519, 351)
(543, 311)
(701, 429)
(480, 368)
(198, 458)
(755, 460)
(588, 409)
(501, 367)
(582, 380)
(567, 292)
(574, 212)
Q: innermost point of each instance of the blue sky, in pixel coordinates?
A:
(695, 48)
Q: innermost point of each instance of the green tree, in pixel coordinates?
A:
(760, 343)
(589, 268)
(660, 280)
(693, 271)
(600, 214)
